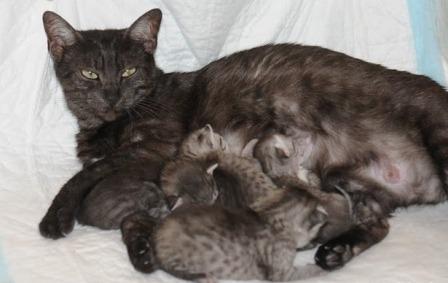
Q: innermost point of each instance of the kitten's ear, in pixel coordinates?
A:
(209, 128)
(281, 148)
(212, 168)
(173, 202)
(248, 150)
(145, 29)
(318, 218)
(60, 34)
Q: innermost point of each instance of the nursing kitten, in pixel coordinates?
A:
(282, 161)
(249, 183)
(280, 155)
(193, 169)
(363, 127)
(204, 243)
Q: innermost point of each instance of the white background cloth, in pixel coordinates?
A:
(37, 147)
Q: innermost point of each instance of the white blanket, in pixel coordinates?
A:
(37, 131)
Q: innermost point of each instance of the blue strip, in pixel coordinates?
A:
(429, 59)
(4, 276)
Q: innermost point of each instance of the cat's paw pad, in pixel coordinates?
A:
(140, 253)
(58, 222)
(332, 256)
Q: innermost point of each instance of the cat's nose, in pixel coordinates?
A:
(110, 115)
(112, 96)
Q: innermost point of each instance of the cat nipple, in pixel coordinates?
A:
(392, 175)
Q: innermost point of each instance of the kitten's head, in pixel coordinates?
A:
(104, 73)
(278, 155)
(202, 142)
(189, 181)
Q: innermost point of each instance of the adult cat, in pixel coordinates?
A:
(362, 126)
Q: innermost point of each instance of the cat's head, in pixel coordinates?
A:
(104, 73)
(189, 181)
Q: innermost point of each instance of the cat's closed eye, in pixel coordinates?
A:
(128, 72)
(91, 75)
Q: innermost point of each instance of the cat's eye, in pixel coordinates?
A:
(89, 74)
(128, 72)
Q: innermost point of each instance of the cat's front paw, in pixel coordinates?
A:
(58, 222)
(333, 255)
(141, 254)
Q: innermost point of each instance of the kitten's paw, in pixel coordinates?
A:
(58, 222)
(141, 255)
(333, 255)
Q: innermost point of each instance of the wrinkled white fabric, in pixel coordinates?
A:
(37, 147)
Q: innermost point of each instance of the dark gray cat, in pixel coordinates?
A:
(108, 78)
(363, 127)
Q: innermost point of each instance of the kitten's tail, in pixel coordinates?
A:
(136, 230)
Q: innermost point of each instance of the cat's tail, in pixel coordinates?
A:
(136, 231)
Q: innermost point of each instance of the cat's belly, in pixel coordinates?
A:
(410, 176)
(400, 166)
(405, 170)
(236, 140)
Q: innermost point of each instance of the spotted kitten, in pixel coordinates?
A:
(204, 243)
(200, 241)
(351, 210)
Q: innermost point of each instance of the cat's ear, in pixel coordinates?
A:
(145, 29)
(212, 168)
(60, 34)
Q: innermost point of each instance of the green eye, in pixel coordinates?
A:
(128, 72)
(89, 74)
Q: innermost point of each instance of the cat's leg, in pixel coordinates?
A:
(60, 217)
(338, 251)
(370, 227)
(136, 230)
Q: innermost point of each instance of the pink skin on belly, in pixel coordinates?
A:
(391, 173)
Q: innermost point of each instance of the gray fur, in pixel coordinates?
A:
(218, 242)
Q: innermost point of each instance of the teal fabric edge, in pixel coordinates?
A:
(4, 274)
(429, 59)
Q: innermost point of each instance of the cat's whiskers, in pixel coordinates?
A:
(147, 110)
(156, 105)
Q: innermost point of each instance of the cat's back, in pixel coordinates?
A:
(309, 67)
